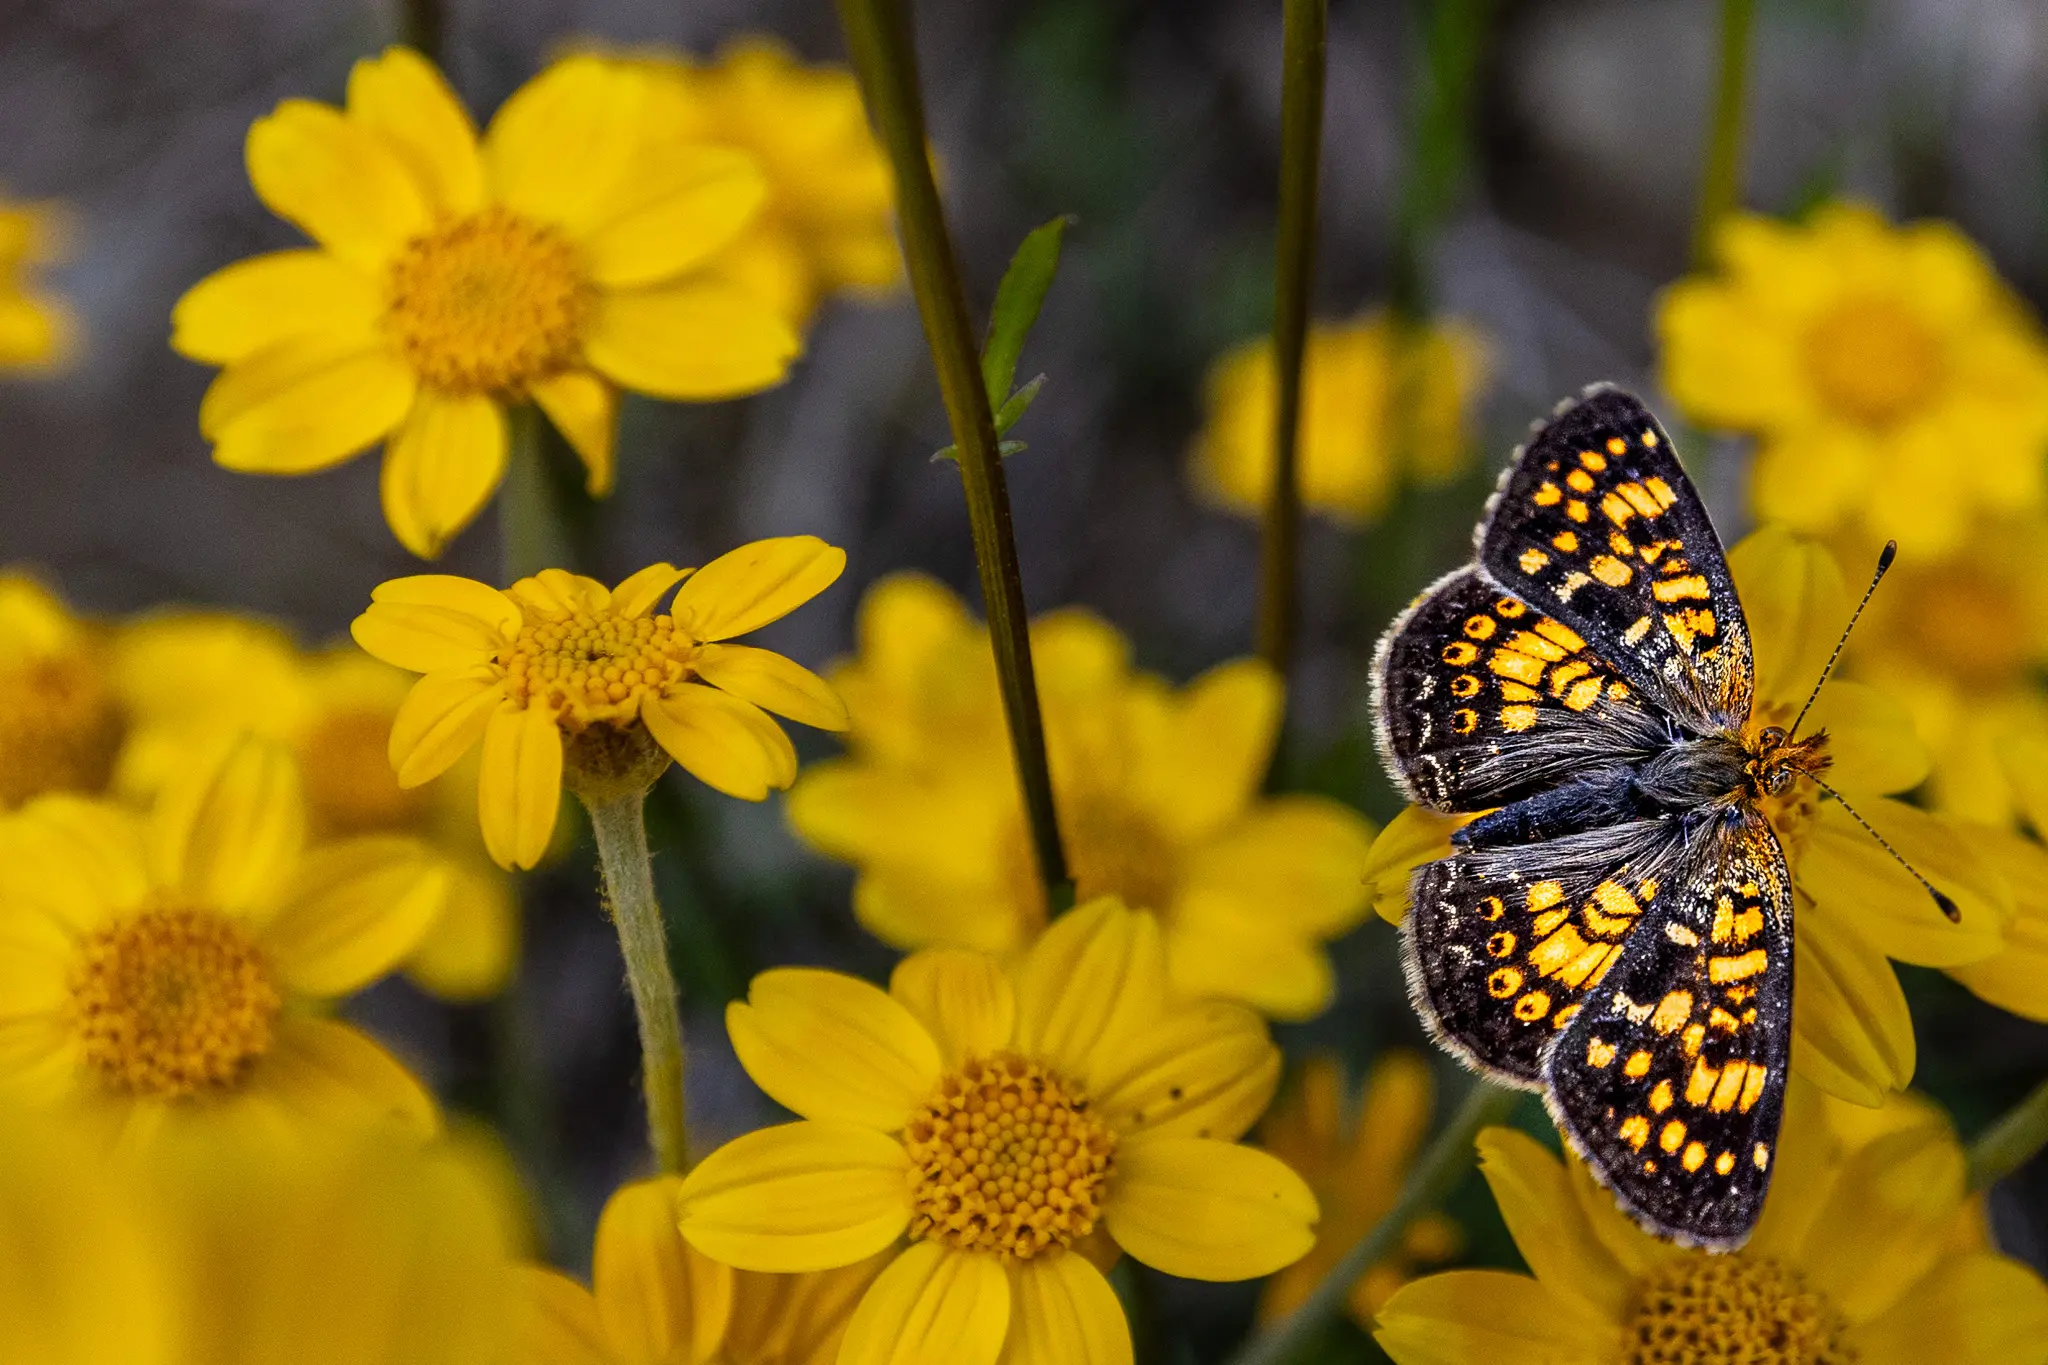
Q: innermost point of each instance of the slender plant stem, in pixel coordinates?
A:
(621, 833)
(2010, 1143)
(1439, 1171)
(1303, 62)
(878, 34)
(1721, 177)
(423, 25)
(530, 533)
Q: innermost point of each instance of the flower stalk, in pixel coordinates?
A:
(879, 36)
(1303, 63)
(422, 25)
(1432, 1178)
(530, 531)
(2011, 1142)
(621, 831)
(1721, 176)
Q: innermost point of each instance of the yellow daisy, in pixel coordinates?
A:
(829, 220)
(656, 1298)
(557, 261)
(1855, 907)
(1017, 1125)
(1353, 452)
(1356, 1163)
(1858, 1258)
(60, 718)
(35, 329)
(162, 973)
(192, 680)
(1895, 385)
(1158, 790)
(559, 676)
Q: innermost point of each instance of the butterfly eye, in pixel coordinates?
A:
(1772, 736)
(1779, 780)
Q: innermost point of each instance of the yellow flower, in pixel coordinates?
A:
(1356, 1164)
(660, 1301)
(1157, 789)
(35, 330)
(192, 680)
(60, 720)
(1895, 385)
(828, 223)
(559, 259)
(559, 676)
(1353, 453)
(1078, 1062)
(1856, 1259)
(167, 973)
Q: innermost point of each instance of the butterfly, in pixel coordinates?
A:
(1615, 929)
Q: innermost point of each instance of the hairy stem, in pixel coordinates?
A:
(2011, 1142)
(1721, 176)
(530, 531)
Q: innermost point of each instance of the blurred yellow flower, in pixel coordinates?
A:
(1158, 791)
(559, 259)
(658, 1300)
(1356, 1162)
(60, 718)
(828, 223)
(559, 676)
(1371, 417)
(1860, 1257)
(1894, 383)
(35, 329)
(1079, 1063)
(166, 974)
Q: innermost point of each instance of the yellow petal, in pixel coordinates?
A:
(355, 908)
(558, 149)
(1488, 1317)
(772, 683)
(337, 180)
(442, 467)
(679, 208)
(744, 589)
(1207, 1210)
(1412, 838)
(1883, 1227)
(1297, 858)
(660, 1299)
(801, 1196)
(441, 719)
(37, 955)
(830, 1046)
(1206, 1070)
(1216, 947)
(727, 744)
(1096, 975)
(436, 621)
(401, 98)
(329, 1076)
(1858, 884)
(1851, 1031)
(638, 594)
(932, 1306)
(554, 1321)
(304, 404)
(229, 833)
(1793, 596)
(470, 949)
(696, 341)
(1543, 1215)
(1978, 1308)
(2015, 978)
(585, 410)
(519, 788)
(1212, 754)
(76, 861)
(1063, 1312)
(1871, 739)
(243, 308)
(962, 998)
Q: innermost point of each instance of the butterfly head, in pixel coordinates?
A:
(1774, 760)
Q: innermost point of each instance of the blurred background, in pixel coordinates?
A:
(1527, 167)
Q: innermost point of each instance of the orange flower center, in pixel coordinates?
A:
(1112, 850)
(59, 729)
(1006, 1158)
(172, 1003)
(1872, 360)
(488, 304)
(596, 667)
(1965, 622)
(350, 787)
(1725, 1310)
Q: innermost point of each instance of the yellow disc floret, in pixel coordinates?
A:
(60, 729)
(1872, 360)
(1732, 1310)
(488, 304)
(595, 666)
(172, 1003)
(1007, 1158)
(350, 788)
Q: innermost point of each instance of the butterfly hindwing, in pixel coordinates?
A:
(1597, 524)
(1671, 1079)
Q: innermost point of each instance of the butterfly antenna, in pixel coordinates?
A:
(1884, 562)
(1948, 907)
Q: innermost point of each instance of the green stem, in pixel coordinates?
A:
(621, 834)
(1721, 177)
(1433, 1178)
(878, 34)
(530, 534)
(1301, 149)
(422, 26)
(2011, 1142)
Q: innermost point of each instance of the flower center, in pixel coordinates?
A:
(350, 788)
(172, 1003)
(1007, 1158)
(1968, 624)
(595, 667)
(487, 303)
(1872, 361)
(1732, 1310)
(1117, 851)
(59, 729)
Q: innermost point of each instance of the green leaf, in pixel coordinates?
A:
(1018, 404)
(1018, 299)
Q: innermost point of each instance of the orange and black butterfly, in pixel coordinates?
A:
(1616, 929)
